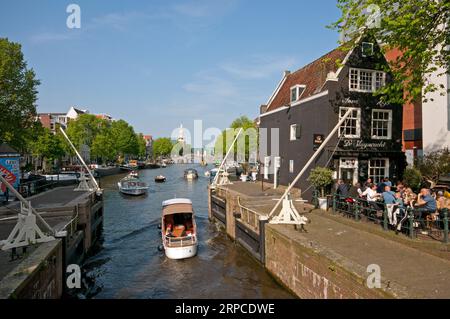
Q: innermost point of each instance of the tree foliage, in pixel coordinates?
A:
(84, 129)
(320, 178)
(48, 146)
(18, 95)
(419, 29)
(162, 147)
(245, 144)
(412, 178)
(434, 165)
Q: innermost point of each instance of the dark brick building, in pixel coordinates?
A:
(307, 105)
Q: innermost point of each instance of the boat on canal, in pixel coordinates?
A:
(132, 186)
(160, 179)
(190, 174)
(178, 229)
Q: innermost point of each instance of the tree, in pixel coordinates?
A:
(103, 147)
(419, 29)
(245, 144)
(48, 146)
(84, 129)
(434, 165)
(142, 145)
(124, 138)
(321, 178)
(412, 178)
(18, 95)
(162, 147)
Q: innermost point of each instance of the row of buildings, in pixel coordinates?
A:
(378, 140)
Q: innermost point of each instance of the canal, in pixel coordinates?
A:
(128, 264)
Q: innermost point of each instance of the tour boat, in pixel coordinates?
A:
(160, 179)
(178, 229)
(190, 174)
(132, 186)
(134, 174)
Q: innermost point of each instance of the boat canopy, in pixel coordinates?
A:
(178, 209)
(176, 201)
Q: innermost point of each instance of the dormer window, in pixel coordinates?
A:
(296, 92)
(367, 49)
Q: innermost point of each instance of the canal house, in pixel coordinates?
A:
(307, 105)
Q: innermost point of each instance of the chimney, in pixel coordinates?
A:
(287, 72)
(262, 109)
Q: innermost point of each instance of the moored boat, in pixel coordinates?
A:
(190, 174)
(132, 186)
(178, 229)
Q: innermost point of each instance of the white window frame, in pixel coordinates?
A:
(293, 132)
(342, 111)
(266, 167)
(298, 93)
(389, 128)
(373, 73)
(362, 49)
(386, 169)
(291, 166)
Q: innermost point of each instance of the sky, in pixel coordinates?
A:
(158, 64)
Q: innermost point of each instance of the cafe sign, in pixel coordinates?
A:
(364, 146)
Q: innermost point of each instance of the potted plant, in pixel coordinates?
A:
(321, 178)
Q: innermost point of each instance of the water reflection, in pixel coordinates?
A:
(129, 264)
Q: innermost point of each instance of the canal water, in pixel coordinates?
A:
(128, 263)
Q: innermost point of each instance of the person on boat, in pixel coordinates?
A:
(169, 230)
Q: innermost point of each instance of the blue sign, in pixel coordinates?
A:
(10, 170)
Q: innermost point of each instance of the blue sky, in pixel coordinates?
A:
(157, 64)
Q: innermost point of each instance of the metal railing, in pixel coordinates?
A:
(180, 241)
(408, 220)
(249, 216)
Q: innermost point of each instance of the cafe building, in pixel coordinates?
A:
(306, 106)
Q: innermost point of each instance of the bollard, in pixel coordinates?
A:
(356, 211)
(445, 225)
(411, 222)
(385, 218)
(334, 203)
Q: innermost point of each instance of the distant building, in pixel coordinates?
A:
(50, 120)
(104, 117)
(73, 113)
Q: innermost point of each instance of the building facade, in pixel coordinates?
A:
(309, 103)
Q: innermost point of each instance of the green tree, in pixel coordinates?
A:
(103, 146)
(162, 147)
(18, 95)
(245, 144)
(142, 145)
(125, 139)
(84, 129)
(412, 178)
(321, 178)
(434, 165)
(49, 147)
(419, 29)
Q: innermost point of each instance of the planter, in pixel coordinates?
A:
(323, 203)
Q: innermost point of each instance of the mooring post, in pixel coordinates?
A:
(445, 210)
(411, 222)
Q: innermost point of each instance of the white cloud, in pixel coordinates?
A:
(46, 37)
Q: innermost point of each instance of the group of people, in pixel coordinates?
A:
(426, 204)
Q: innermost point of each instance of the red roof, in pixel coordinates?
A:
(312, 75)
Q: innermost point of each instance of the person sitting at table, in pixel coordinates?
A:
(409, 197)
(442, 201)
(372, 196)
(426, 205)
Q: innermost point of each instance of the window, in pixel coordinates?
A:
(367, 49)
(291, 166)
(296, 92)
(351, 128)
(295, 132)
(378, 169)
(366, 80)
(266, 167)
(382, 124)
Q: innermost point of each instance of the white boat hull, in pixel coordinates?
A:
(181, 252)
